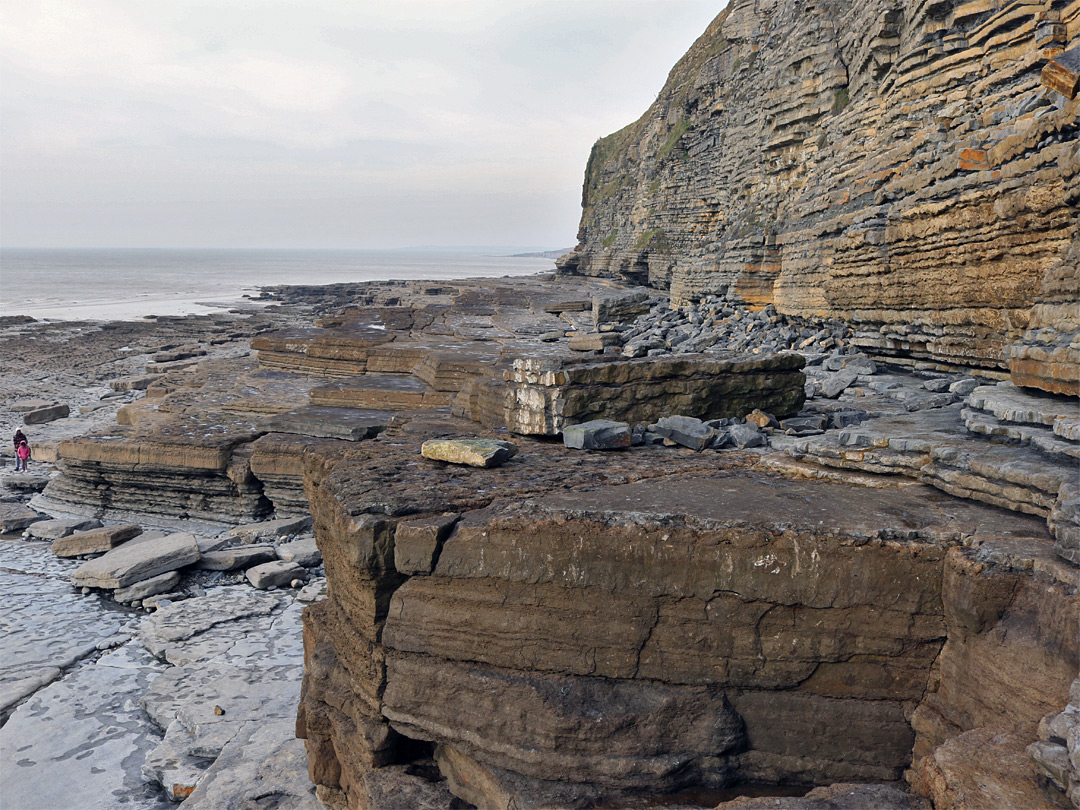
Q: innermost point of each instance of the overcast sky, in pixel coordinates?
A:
(321, 123)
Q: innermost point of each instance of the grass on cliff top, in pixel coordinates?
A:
(654, 240)
(674, 93)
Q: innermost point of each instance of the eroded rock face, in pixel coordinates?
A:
(897, 165)
(794, 627)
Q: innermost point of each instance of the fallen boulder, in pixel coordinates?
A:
(599, 434)
(94, 541)
(229, 559)
(274, 574)
(282, 527)
(136, 561)
(60, 527)
(470, 452)
(162, 583)
(43, 415)
(15, 517)
(302, 552)
(685, 430)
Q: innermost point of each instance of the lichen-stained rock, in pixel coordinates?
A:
(898, 165)
(469, 452)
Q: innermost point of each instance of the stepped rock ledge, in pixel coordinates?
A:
(821, 339)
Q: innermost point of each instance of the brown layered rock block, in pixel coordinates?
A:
(896, 165)
(539, 396)
(338, 352)
(802, 622)
(179, 469)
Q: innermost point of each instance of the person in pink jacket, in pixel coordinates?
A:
(22, 455)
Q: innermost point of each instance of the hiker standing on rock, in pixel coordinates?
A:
(16, 440)
(22, 455)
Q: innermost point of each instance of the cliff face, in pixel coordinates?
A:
(894, 163)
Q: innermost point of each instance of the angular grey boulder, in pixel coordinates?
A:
(47, 414)
(302, 552)
(835, 384)
(16, 517)
(228, 559)
(685, 430)
(60, 527)
(162, 583)
(599, 434)
(748, 435)
(137, 560)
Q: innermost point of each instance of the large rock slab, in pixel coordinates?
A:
(282, 527)
(78, 742)
(95, 541)
(49, 413)
(162, 583)
(274, 574)
(228, 559)
(15, 517)
(303, 551)
(60, 527)
(181, 621)
(136, 561)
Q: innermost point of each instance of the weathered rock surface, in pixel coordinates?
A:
(856, 159)
(15, 517)
(980, 769)
(269, 529)
(227, 559)
(49, 413)
(60, 527)
(137, 560)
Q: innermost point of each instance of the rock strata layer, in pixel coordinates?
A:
(897, 165)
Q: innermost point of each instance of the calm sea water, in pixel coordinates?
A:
(127, 284)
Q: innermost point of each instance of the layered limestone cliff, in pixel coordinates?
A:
(897, 164)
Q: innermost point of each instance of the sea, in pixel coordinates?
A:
(128, 284)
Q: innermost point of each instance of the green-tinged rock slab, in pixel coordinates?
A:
(470, 452)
